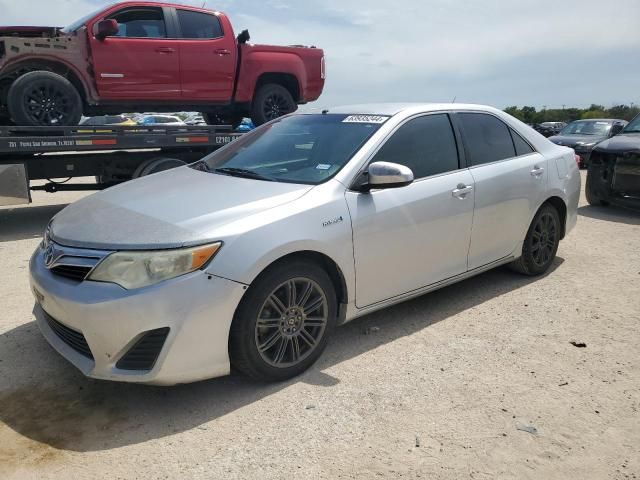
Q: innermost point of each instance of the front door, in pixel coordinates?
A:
(207, 57)
(411, 237)
(140, 62)
(510, 183)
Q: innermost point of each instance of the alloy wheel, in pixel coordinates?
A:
(543, 239)
(291, 322)
(46, 104)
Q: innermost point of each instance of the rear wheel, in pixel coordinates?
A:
(43, 98)
(283, 323)
(541, 243)
(272, 101)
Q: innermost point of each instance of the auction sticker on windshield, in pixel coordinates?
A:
(365, 119)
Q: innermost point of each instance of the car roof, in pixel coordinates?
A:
(396, 108)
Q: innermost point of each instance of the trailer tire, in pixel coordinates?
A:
(156, 165)
(42, 98)
(271, 101)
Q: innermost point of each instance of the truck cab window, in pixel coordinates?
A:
(197, 25)
(141, 23)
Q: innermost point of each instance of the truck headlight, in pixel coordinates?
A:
(134, 269)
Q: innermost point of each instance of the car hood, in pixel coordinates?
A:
(177, 208)
(625, 142)
(573, 140)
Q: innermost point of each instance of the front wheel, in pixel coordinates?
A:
(540, 244)
(283, 323)
(272, 101)
(45, 99)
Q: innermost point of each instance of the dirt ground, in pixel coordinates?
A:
(478, 380)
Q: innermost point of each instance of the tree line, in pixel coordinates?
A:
(533, 116)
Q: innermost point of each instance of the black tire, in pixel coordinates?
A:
(234, 119)
(271, 101)
(44, 99)
(540, 244)
(592, 197)
(156, 165)
(245, 333)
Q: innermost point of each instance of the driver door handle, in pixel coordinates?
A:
(462, 191)
(165, 50)
(222, 51)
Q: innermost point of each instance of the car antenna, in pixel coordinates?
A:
(454, 99)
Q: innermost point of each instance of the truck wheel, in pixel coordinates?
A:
(44, 99)
(214, 119)
(592, 197)
(156, 165)
(271, 101)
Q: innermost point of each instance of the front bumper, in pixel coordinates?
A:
(197, 308)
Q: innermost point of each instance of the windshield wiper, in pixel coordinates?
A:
(242, 173)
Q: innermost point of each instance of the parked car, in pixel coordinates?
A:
(161, 120)
(549, 129)
(614, 169)
(137, 56)
(300, 225)
(583, 135)
(111, 120)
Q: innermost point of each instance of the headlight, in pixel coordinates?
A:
(140, 269)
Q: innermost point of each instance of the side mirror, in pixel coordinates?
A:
(386, 175)
(107, 28)
(615, 130)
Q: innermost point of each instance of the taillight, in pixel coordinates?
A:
(577, 158)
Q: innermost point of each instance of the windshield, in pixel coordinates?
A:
(587, 127)
(307, 149)
(80, 22)
(633, 127)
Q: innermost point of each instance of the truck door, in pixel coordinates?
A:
(207, 56)
(140, 62)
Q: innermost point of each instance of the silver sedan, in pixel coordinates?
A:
(252, 256)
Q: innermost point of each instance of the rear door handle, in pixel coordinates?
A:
(537, 171)
(165, 50)
(222, 51)
(462, 191)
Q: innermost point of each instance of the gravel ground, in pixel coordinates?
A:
(478, 380)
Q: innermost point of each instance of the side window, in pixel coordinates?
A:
(522, 147)
(487, 138)
(199, 25)
(425, 144)
(141, 23)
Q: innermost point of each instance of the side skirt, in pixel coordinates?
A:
(355, 312)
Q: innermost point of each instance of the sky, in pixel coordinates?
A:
(495, 52)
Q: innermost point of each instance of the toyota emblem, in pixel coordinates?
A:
(49, 254)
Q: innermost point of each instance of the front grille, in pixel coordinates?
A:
(71, 337)
(72, 272)
(145, 352)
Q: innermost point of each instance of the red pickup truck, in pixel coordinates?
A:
(150, 56)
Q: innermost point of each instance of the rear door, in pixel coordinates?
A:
(510, 183)
(207, 56)
(407, 238)
(141, 61)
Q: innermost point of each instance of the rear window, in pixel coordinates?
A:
(487, 139)
(197, 25)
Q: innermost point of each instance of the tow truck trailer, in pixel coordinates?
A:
(110, 154)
